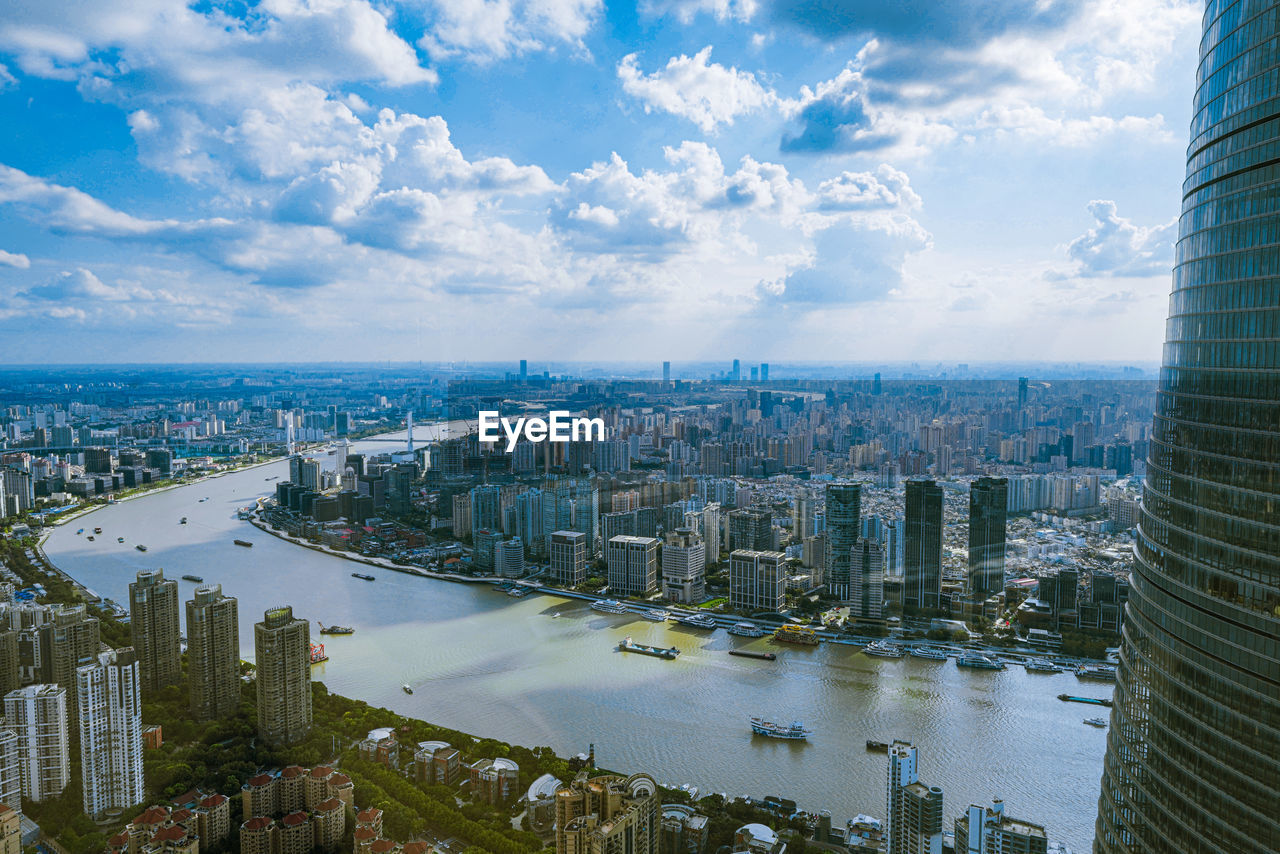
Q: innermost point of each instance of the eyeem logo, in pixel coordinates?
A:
(560, 427)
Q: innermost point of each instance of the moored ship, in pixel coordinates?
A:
(929, 653)
(795, 731)
(884, 649)
(698, 621)
(609, 606)
(628, 645)
(979, 662)
(746, 630)
(657, 615)
(1102, 672)
(802, 635)
(1037, 665)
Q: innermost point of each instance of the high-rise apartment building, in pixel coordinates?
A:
(843, 520)
(988, 517)
(913, 811)
(153, 622)
(70, 639)
(110, 716)
(684, 562)
(922, 557)
(608, 814)
(633, 565)
(987, 830)
(10, 770)
(750, 528)
(568, 555)
(757, 580)
(282, 644)
(1193, 751)
(866, 579)
(508, 558)
(37, 714)
(213, 653)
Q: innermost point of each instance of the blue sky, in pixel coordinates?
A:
(574, 179)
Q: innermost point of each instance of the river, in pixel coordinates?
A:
(543, 671)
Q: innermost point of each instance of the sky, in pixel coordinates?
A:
(586, 180)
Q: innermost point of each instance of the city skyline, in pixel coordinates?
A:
(671, 179)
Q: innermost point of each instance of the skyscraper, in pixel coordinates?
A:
(913, 811)
(153, 621)
(71, 639)
(866, 579)
(110, 717)
(757, 580)
(923, 555)
(988, 515)
(684, 562)
(568, 557)
(750, 528)
(1193, 751)
(282, 644)
(633, 565)
(37, 714)
(844, 513)
(666, 373)
(213, 653)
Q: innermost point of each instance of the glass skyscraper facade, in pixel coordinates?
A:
(1193, 753)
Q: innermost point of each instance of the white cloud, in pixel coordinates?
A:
(692, 87)
(485, 30)
(1117, 247)
(14, 259)
(686, 10)
(885, 188)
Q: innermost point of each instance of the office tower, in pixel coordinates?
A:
(1193, 751)
(524, 370)
(757, 580)
(988, 514)
(987, 830)
(308, 474)
(37, 714)
(213, 653)
(97, 460)
(508, 558)
(633, 565)
(1022, 392)
(922, 558)
(529, 519)
(684, 562)
(803, 513)
(283, 646)
(764, 372)
(844, 512)
(737, 371)
(153, 622)
(568, 558)
(913, 811)
(70, 639)
(110, 714)
(666, 373)
(866, 579)
(608, 814)
(750, 529)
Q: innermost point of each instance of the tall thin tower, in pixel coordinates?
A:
(1193, 752)
(410, 434)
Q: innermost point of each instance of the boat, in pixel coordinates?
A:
(1037, 665)
(1098, 722)
(878, 746)
(929, 653)
(609, 606)
(89, 538)
(1102, 672)
(182, 521)
(1097, 701)
(197, 579)
(97, 530)
(405, 687)
(657, 615)
(245, 543)
(628, 645)
(979, 662)
(746, 653)
(79, 532)
(794, 732)
(362, 576)
(119, 539)
(884, 649)
(140, 547)
(746, 630)
(336, 630)
(698, 621)
(317, 653)
(519, 592)
(802, 635)
(556, 614)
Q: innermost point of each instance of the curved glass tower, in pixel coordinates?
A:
(1193, 754)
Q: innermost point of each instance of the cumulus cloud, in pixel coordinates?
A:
(886, 188)
(1116, 247)
(694, 88)
(14, 259)
(485, 30)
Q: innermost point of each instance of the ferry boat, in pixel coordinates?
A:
(335, 630)
(245, 543)
(140, 547)
(609, 606)
(197, 579)
(97, 530)
(979, 661)
(405, 687)
(628, 645)
(802, 635)
(362, 576)
(657, 615)
(795, 731)
(1037, 665)
(929, 653)
(698, 621)
(1102, 672)
(119, 539)
(1098, 722)
(746, 630)
(884, 649)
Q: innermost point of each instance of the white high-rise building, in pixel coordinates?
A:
(38, 716)
(508, 558)
(684, 562)
(913, 823)
(10, 773)
(633, 565)
(110, 708)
